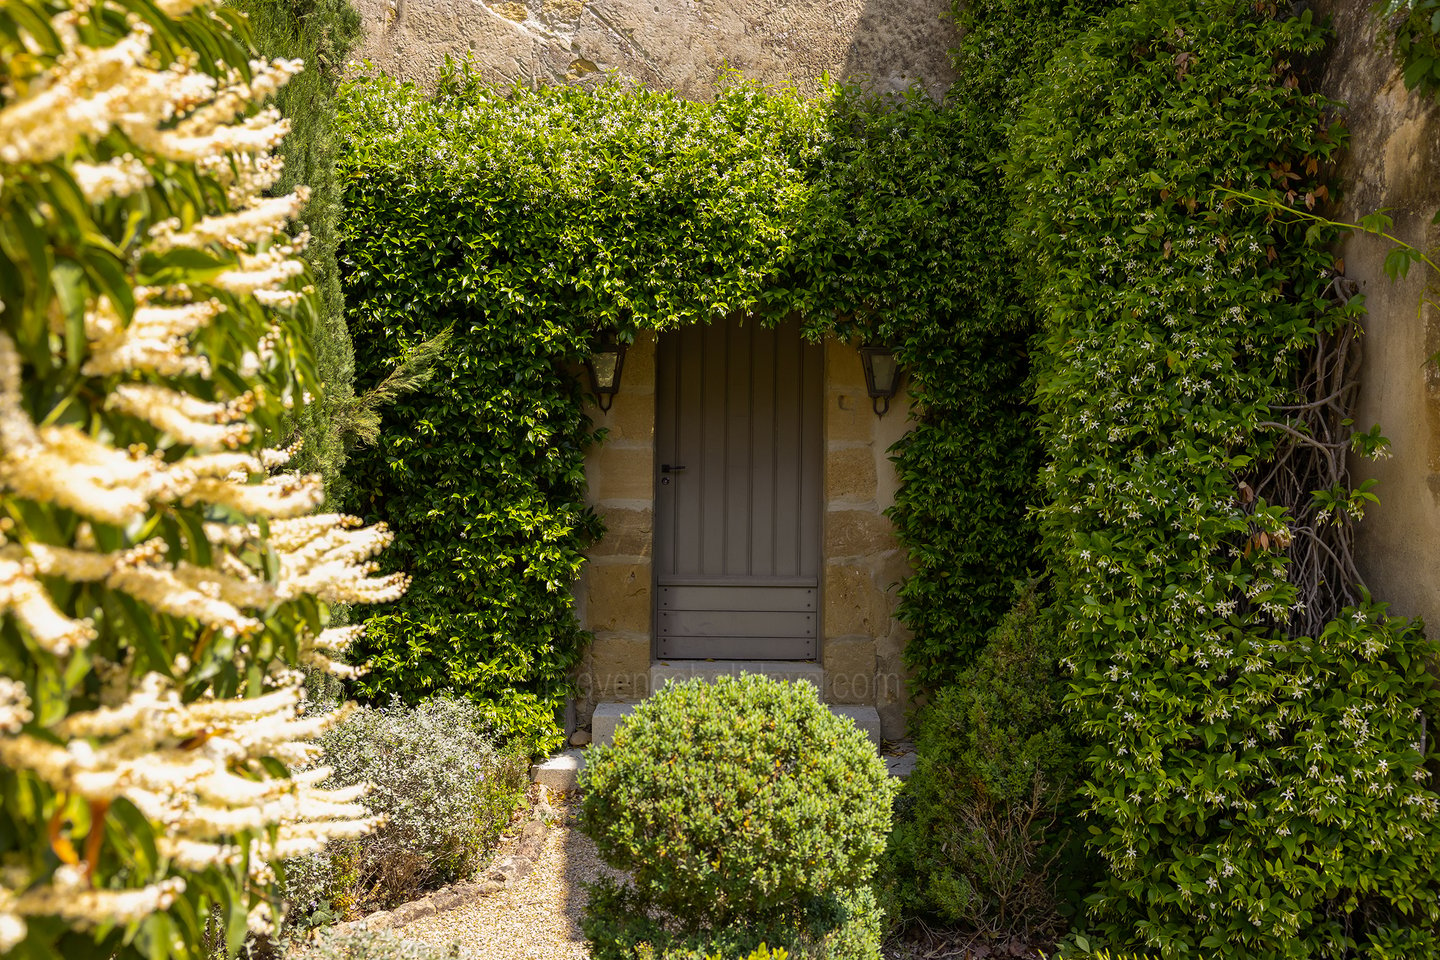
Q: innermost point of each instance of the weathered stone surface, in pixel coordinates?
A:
(849, 670)
(450, 898)
(631, 417)
(891, 570)
(849, 417)
(863, 717)
(852, 603)
(628, 532)
(579, 738)
(892, 694)
(510, 869)
(617, 667)
(605, 720)
(843, 367)
(620, 472)
(681, 45)
(410, 912)
(561, 772)
(857, 533)
(1393, 162)
(639, 370)
(901, 766)
(618, 597)
(532, 840)
(888, 431)
(380, 920)
(850, 474)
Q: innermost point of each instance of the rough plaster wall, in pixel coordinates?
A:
(1393, 161)
(680, 45)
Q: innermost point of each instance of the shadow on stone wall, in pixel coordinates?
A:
(680, 45)
(890, 52)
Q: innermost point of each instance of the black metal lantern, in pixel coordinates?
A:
(604, 363)
(882, 376)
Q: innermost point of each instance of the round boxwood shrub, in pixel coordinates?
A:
(739, 805)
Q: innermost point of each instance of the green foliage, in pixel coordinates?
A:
(1253, 793)
(1417, 41)
(744, 805)
(846, 926)
(446, 793)
(968, 469)
(985, 834)
(322, 33)
(529, 219)
(128, 698)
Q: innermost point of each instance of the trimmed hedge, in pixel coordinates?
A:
(743, 811)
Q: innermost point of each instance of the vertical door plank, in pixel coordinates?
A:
(811, 457)
(738, 455)
(788, 437)
(762, 478)
(711, 479)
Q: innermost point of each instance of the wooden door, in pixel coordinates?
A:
(738, 495)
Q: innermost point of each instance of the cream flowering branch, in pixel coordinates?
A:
(161, 580)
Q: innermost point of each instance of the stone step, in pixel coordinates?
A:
(561, 772)
(608, 716)
(866, 718)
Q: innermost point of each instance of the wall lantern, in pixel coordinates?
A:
(882, 376)
(604, 363)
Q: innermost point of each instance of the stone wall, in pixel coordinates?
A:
(680, 45)
(861, 641)
(1393, 161)
(613, 595)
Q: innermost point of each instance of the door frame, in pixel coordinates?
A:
(817, 395)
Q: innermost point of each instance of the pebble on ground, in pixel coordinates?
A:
(535, 918)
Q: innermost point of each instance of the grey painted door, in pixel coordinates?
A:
(738, 497)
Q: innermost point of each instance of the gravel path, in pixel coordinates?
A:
(534, 918)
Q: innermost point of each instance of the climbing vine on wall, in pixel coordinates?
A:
(1417, 41)
(1255, 792)
(527, 220)
(976, 436)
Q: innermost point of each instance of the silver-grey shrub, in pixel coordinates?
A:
(446, 790)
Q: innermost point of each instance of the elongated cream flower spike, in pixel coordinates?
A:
(115, 178)
(195, 768)
(192, 526)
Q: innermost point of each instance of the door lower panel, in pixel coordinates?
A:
(756, 621)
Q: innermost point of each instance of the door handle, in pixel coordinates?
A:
(667, 468)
